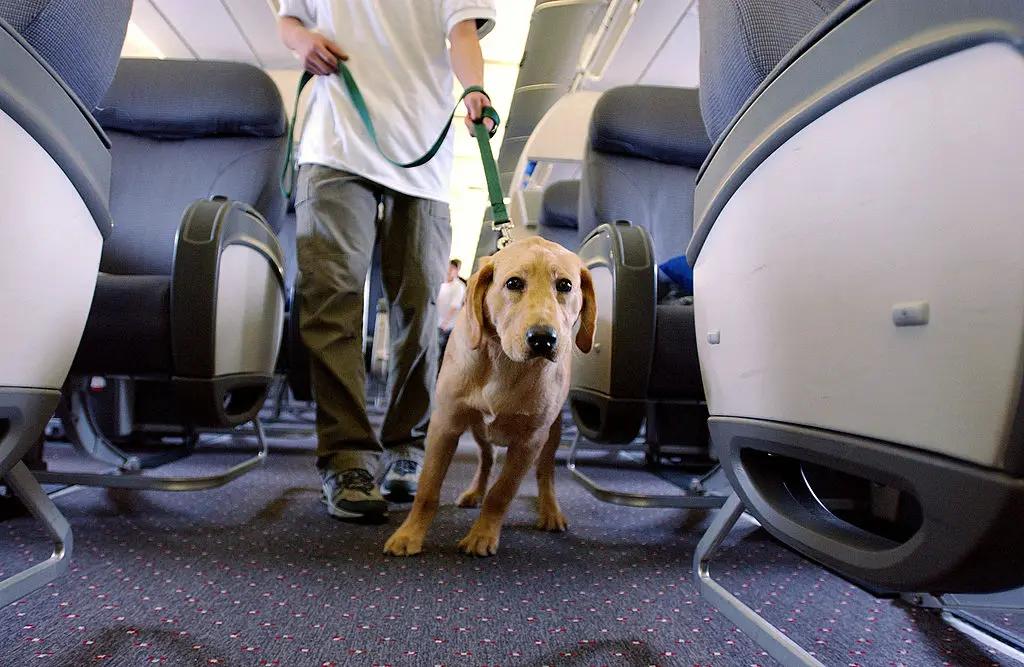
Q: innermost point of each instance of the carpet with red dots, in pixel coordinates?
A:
(255, 573)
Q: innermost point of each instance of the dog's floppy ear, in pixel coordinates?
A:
(588, 314)
(476, 292)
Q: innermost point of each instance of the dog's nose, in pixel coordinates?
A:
(542, 341)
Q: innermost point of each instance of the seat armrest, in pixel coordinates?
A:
(194, 99)
(609, 385)
(209, 229)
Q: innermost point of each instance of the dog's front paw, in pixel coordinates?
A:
(470, 498)
(479, 542)
(552, 521)
(404, 543)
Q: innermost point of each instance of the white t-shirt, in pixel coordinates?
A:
(398, 54)
(452, 293)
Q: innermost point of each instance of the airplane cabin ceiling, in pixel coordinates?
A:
(239, 30)
(246, 31)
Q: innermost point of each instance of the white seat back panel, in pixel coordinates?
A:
(911, 191)
(49, 256)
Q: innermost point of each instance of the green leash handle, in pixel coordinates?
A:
(501, 223)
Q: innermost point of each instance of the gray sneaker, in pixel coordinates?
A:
(352, 495)
(402, 476)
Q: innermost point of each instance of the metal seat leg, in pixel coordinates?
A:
(766, 635)
(20, 480)
(696, 498)
(124, 479)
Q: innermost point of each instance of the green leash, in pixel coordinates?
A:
(502, 224)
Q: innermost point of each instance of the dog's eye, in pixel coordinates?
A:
(515, 284)
(563, 285)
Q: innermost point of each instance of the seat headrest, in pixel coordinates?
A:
(652, 122)
(741, 42)
(561, 204)
(80, 39)
(183, 99)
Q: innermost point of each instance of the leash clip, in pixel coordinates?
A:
(504, 230)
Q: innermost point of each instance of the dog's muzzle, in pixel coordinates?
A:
(542, 341)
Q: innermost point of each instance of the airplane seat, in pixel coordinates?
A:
(859, 294)
(644, 142)
(190, 300)
(182, 131)
(644, 148)
(54, 182)
(559, 214)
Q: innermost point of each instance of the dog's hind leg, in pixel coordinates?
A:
(550, 516)
(472, 496)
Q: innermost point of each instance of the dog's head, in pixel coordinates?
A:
(531, 294)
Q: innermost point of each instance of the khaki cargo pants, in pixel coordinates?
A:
(339, 215)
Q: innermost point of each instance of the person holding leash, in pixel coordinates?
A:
(404, 54)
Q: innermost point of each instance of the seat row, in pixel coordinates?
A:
(814, 262)
(145, 292)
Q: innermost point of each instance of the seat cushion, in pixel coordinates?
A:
(675, 371)
(559, 214)
(563, 236)
(129, 327)
(646, 145)
(652, 195)
(80, 39)
(188, 99)
(651, 122)
(741, 41)
(182, 131)
(153, 181)
(560, 205)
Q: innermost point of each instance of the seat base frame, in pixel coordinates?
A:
(26, 412)
(697, 497)
(766, 635)
(83, 431)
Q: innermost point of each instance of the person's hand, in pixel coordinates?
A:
(319, 54)
(475, 103)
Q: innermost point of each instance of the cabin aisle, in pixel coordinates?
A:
(257, 574)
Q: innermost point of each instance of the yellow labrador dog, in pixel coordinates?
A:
(505, 377)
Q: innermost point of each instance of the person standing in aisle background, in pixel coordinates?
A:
(450, 298)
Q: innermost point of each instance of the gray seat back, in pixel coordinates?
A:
(741, 41)
(645, 146)
(84, 59)
(181, 131)
(559, 214)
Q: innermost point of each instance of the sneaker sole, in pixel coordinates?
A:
(399, 491)
(339, 513)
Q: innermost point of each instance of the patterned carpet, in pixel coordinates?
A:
(256, 573)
